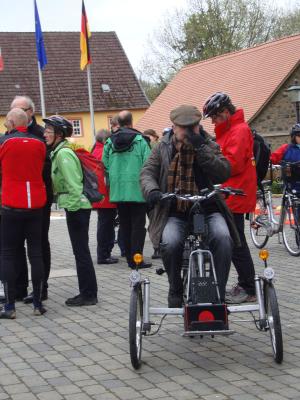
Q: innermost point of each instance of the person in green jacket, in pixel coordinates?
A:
(125, 153)
(67, 179)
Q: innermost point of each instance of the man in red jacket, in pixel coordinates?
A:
(236, 141)
(23, 197)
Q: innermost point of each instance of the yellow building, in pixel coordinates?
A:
(115, 86)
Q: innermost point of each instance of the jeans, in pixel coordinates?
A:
(172, 244)
(132, 223)
(78, 227)
(15, 226)
(105, 232)
(242, 259)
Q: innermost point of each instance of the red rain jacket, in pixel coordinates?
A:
(236, 141)
(22, 157)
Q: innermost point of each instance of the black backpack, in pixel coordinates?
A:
(261, 152)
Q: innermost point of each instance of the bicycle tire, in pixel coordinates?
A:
(291, 232)
(273, 319)
(258, 233)
(136, 326)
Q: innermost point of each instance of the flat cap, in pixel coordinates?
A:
(185, 115)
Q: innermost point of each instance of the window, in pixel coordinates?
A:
(77, 127)
(109, 118)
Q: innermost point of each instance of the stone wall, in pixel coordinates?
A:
(276, 119)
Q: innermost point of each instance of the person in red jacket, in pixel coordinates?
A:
(107, 212)
(23, 197)
(236, 141)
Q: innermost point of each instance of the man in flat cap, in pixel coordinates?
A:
(186, 161)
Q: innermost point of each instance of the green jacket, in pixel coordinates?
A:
(123, 168)
(67, 177)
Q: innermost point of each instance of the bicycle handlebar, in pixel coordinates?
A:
(205, 194)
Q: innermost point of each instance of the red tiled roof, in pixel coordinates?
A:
(251, 77)
(65, 85)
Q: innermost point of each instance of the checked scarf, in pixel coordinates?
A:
(181, 178)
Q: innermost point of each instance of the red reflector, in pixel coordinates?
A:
(206, 316)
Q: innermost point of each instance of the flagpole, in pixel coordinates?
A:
(42, 91)
(88, 70)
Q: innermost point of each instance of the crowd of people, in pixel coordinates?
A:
(139, 168)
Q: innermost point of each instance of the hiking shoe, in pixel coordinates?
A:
(238, 295)
(7, 314)
(39, 310)
(79, 301)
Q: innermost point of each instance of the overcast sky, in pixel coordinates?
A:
(133, 20)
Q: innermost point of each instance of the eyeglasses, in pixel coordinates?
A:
(26, 109)
(49, 131)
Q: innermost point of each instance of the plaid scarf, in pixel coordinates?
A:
(181, 178)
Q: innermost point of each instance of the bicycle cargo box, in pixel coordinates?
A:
(290, 171)
(200, 317)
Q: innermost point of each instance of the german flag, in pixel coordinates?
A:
(85, 34)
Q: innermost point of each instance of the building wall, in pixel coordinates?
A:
(276, 119)
(101, 122)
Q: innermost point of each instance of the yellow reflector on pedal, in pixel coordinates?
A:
(138, 258)
(264, 254)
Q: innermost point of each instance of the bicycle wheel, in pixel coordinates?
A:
(291, 232)
(136, 326)
(273, 319)
(258, 220)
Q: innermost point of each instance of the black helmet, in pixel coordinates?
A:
(295, 131)
(60, 124)
(215, 103)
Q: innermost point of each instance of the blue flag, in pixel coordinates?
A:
(40, 48)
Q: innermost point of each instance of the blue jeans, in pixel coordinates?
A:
(172, 244)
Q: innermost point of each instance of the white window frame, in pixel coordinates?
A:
(79, 122)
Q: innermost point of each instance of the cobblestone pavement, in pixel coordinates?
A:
(78, 354)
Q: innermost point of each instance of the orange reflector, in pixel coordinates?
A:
(206, 316)
(264, 254)
(138, 258)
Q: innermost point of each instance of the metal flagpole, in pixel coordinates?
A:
(88, 70)
(42, 91)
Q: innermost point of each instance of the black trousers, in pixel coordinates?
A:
(241, 258)
(78, 227)
(105, 232)
(15, 226)
(132, 223)
(21, 261)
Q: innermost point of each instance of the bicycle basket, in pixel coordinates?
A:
(290, 171)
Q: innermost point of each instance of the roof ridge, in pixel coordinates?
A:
(236, 52)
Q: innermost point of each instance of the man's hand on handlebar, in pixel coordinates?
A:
(153, 198)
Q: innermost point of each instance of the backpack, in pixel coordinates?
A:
(261, 152)
(93, 175)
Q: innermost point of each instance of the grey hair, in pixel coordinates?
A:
(18, 116)
(26, 98)
(102, 135)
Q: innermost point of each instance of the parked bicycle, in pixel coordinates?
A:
(263, 221)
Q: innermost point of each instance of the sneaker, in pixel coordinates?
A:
(238, 295)
(109, 260)
(39, 310)
(79, 301)
(7, 314)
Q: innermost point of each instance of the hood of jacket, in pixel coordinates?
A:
(123, 139)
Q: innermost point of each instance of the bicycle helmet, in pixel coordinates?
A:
(60, 124)
(215, 103)
(295, 131)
